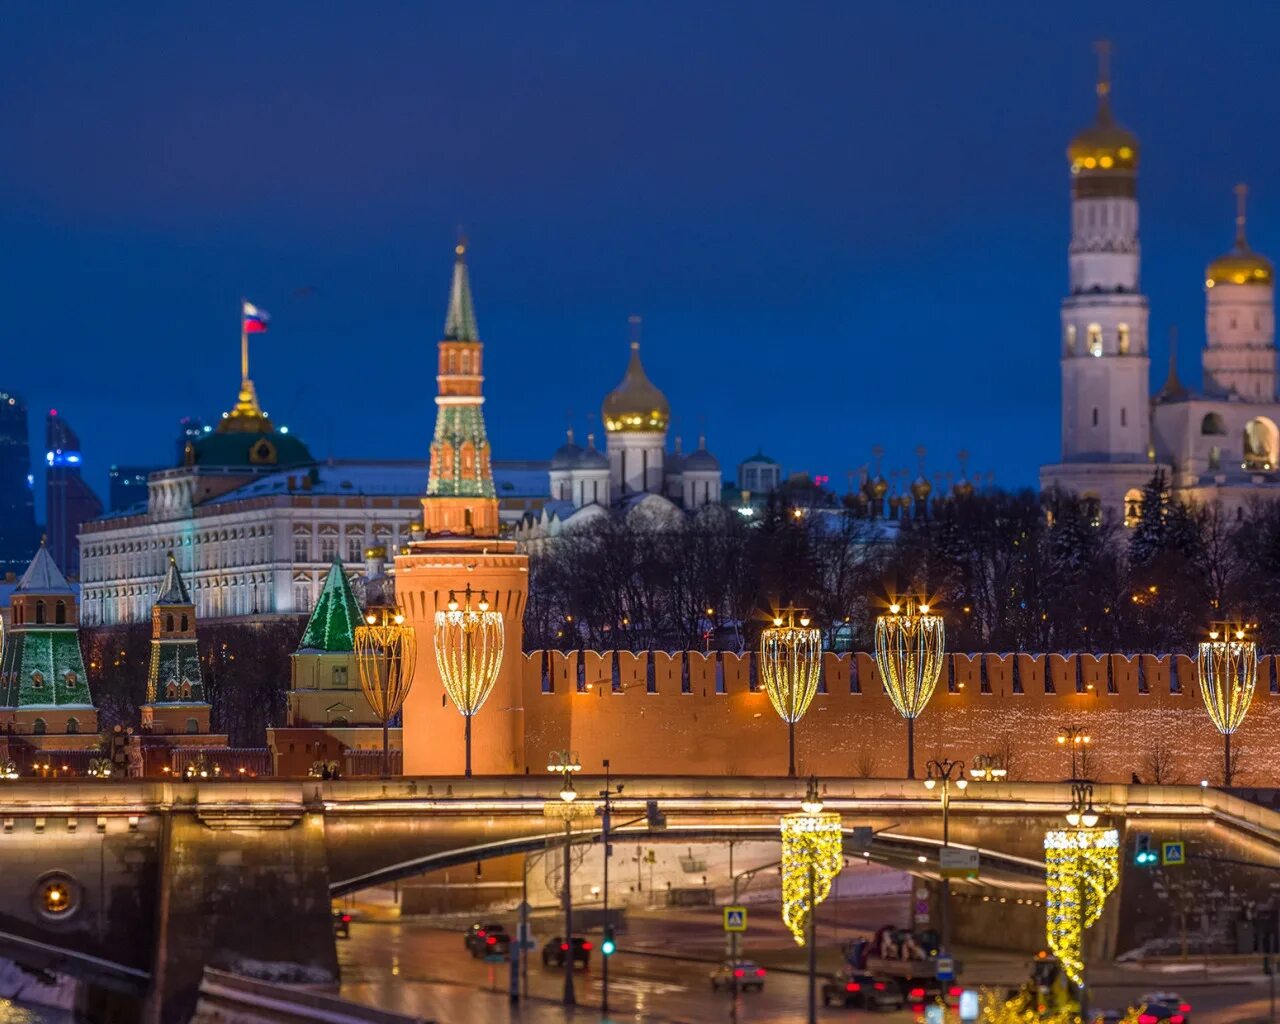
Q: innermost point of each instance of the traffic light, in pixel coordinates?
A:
(608, 946)
(1144, 856)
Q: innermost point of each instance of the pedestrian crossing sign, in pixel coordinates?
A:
(735, 919)
(1173, 853)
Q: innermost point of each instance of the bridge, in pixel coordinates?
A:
(136, 886)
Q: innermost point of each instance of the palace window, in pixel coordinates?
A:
(328, 548)
(1095, 339)
(1071, 350)
(73, 726)
(1122, 339)
(339, 676)
(354, 549)
(1095, 417)
(301, 549)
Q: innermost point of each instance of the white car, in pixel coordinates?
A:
(746, 974)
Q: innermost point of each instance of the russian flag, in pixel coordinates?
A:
(255, 319)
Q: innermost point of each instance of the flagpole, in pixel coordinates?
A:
(244, 346)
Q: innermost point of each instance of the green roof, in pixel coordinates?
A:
(174, 661)
(332, 626)
(43, 667)
(242, 448)
(460, 323)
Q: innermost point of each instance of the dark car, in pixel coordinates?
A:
(863, 991)
(1164, 1008)
(474, 937)
(920, 991)
(341, 924)
(746, 974)
(495, 942)
(556, 949)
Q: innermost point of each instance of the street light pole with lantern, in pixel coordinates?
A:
(791, 661)
(386, 651)
(469, 647)
(1227, 669)
(910, 646)
(1075, 739)
(566, 764)
(945, 772)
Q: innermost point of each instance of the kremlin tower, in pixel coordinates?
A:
(459, 547)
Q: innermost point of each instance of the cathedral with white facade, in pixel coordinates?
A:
(635, 474)
(1220, 444)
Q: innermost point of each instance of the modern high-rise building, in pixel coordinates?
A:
(70, 501)
(17, 507)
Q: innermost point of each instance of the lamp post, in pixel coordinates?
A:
(1082, 867)
(606, 795)
(1227, 669)
(988, 768)
(790, 661)
(945, 772)
(469, 644)
(1075, 739)
(910, 645)
(565, 764)
(386, 651)
(812, 856)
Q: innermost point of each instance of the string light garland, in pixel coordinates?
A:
(812, 856)
(469, 646)
(910, 646)
(1082, 868)
(790, 662)
(1227, 669)
(386, 654)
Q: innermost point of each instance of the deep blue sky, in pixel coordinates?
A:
(844, 224)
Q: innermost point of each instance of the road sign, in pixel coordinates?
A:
(946, 968)
(735, 919)
(1173, 853)
(958, 862)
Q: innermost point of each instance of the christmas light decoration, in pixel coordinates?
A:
(469, 645)
(812, 856)
(1082, 867)
(910, 645)
(1228, 672)
(790, 661)
(386, 652)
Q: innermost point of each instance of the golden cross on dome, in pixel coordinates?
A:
(1103, 48)
(1242, 195)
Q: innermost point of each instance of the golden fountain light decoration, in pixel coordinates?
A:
(469, 644)
(1082, 867)
(790, 662)
(1228, 674)
(812, 856)
(910, 645)
(386, 651)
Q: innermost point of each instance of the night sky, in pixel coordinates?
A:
(844, 224)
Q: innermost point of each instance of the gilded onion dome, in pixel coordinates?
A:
(635, 404)
(1104, 157)
(1241, 265)
(921, 488)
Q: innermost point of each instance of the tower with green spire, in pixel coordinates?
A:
(175, 688)
(460, 498)
(44, 689)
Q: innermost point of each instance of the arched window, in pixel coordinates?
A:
(1215, 457)
(184, 623)
(186, 690)
(171, 691)
(339, 721)
(453, 362)
(37, 680)
(1122, 339)
(1132, 507)
(1095, 339)
(73, 726)
(1261, 440)
(39, 613)
(1095, 416)
(466, 362)
(168, 623)
(1213, 423)
(17, 614)
(71, 679)
(1122, 417)
(38, 727)
(60, 613)
(193, 725)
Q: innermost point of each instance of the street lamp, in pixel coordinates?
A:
(1082, 867)
(988, 768)
(812, 856)
(790, 661)
(469, 645)
(1228, 674)
(910, 645)
(1074, 738)
(386, 650)
(948, 773)
(565, 764)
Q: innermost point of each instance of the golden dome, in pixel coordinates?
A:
(1104, 150)
(921, 488)
(1241, 265)
(635, 404)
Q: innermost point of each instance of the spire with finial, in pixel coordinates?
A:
(1241, 265)
(1104, 150)
(1242, 196)
(460, 321)
(1103, 49)
(635, 404)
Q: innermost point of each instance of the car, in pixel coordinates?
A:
(919, 991)
(496, 942)
(556, 949)
(745, 974)
(473, 940)
(341, 924)
(863, 991)
(1164, 1008)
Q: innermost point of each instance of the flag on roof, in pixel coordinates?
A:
(255, 319)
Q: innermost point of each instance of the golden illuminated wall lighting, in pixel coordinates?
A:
(386, 653)
(1227, 669)
(1082, 867)
(790, 663)
(911, 643)
(810, 840)
(469, 648)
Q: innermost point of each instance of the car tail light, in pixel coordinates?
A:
(853, 986)
(563, 946)
(954, 991)
(492, 940)
(1177, 1018)
(1148, 1018)
(1184, 1007)
(738, 972)
(585, 944)
(482, 933)
(917, 1008)
(759, 972)
(879, 986)
(346, 918)
(916, 993)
